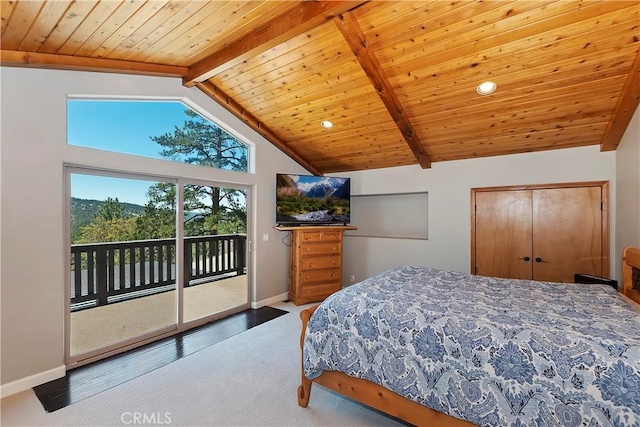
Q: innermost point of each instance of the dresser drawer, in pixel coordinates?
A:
(321, 262)
(321, 291)
(321, 236)
(311, 236)
(331, 236)
(320, 248)
(319, 276)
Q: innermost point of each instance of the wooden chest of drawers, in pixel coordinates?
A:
(316, 262)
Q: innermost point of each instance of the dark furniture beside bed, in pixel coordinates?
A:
(548, 361)
(595, 280)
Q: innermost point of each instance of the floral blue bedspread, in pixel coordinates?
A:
(495, 352)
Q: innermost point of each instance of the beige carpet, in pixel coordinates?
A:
(249, 379)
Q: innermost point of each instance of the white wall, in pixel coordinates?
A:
(34, 149)
(628, 187)
(448, 185)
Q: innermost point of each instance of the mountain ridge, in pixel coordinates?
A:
(83, 212)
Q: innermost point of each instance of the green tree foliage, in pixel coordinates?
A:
(200, 142)
(213, 210)
(108, 230)
(208, 210)
(155, 223)
(84, 212)
(110, 209)
(111, 224)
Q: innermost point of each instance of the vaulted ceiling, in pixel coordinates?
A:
(396, 78)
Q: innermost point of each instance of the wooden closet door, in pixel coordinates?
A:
(503, 234)
(567, 233)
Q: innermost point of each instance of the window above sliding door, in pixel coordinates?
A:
(168, 130)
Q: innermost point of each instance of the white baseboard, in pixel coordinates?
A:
(272, 300)
(32, 381)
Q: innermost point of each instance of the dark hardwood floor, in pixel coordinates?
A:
(96, 377)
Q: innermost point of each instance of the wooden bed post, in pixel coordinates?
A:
(631, 262)
(304, 389)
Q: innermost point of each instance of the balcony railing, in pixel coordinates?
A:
(104, 273)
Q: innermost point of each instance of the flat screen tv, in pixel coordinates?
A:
(308, 199)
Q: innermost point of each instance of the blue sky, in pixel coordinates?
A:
(124, 127)
(100, 188)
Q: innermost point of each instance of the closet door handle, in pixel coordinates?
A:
(538, 259)
(526, 258)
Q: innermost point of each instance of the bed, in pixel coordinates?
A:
(443, 348)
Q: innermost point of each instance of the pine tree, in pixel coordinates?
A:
(208, 210)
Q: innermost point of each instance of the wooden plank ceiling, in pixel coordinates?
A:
(397, 78)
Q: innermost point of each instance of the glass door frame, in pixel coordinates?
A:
(72, 361)
(182, 325)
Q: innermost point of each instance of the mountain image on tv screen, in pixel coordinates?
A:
(312, 199)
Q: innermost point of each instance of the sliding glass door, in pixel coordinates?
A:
(151, 254)
(149, 258)
(215, 230)
(123, 263)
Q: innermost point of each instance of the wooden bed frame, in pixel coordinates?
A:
(631, 273)
(380, 398)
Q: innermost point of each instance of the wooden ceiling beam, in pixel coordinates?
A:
(305, 16)
(237, 110)
(354, 36)
(10, 58)
(627, 104)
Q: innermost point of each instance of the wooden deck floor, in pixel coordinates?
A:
(100, 326)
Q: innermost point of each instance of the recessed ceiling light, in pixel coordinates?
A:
(486, 88)
(326, 124)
